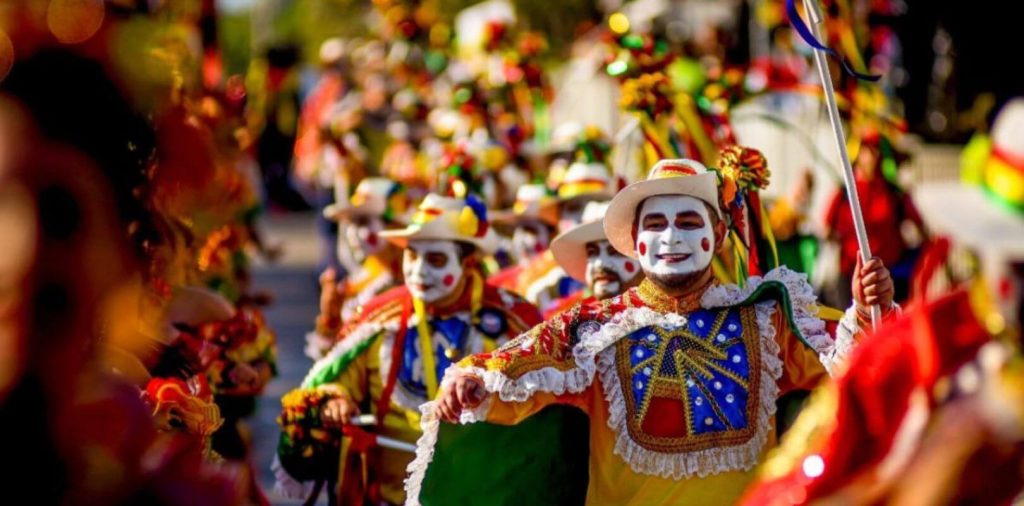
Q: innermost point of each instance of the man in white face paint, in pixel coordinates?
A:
(586, 254)
(680, 375)
(589, 179)
(390, 357)
(373, 264)
(531, 222)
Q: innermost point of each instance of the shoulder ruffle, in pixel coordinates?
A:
(799, 300)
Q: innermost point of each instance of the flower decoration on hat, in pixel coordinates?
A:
(637, 54)
(458, 176)
(647, 93)
(397, 203)
(742, 169)
(473, 218)
(742, 173)
(593, 146)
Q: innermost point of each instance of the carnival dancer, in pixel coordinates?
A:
(587, 179)
(373, 264)
(587, 255)
(532, 224)
(949, 428)
(679, 376)
(379, 366)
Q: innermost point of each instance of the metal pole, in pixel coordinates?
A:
(816, 19)
(382, 441)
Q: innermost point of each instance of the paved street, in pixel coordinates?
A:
(292, 283)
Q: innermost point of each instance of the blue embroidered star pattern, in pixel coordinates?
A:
(704, 364)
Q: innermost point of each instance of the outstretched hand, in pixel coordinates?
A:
(872, 285)
(465, 392)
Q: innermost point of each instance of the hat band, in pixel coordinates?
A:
(576, 188)
(668, 171)
(1004, 179)
(426, 215)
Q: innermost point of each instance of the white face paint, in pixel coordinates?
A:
(529, 240)
(674, 236)
(609, 272)
(432, 269)
(362, 234)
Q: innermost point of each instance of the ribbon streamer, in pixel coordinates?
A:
(805, 33)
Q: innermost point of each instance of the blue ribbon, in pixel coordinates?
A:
(806, 34)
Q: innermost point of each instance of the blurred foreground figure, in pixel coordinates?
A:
(82, 437)
(949, 428)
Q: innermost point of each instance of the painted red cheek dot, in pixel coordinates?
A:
(372, 239)
(538, 248)
(629, 267)
(449, 280)
(705, 243)
(643, 249)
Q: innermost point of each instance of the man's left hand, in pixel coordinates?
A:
(872, 285)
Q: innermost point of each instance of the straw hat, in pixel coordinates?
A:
(584, 180)
(1003, 175)
(668, 177)
(989, 210)
(374, 196)
(570, 247)
(195, 305)
(533, 202)
(447, 219)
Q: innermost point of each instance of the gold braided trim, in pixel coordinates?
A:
(694, 442)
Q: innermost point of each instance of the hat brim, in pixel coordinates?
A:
(589, 196)
(437, 231)
(978, 223)
(196, 305)
(338, 211)
(618, 220)
(570, 248)
(547, 214)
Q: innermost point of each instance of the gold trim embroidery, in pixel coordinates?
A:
(692, 442)
(656, 299)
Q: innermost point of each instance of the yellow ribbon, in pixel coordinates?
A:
(426, 348)
(769, 236)
(477, 297)
(686, 110)
(426, 334)
(829, 314)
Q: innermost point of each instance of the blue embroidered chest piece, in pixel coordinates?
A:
(455, 334)
(693, 383)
